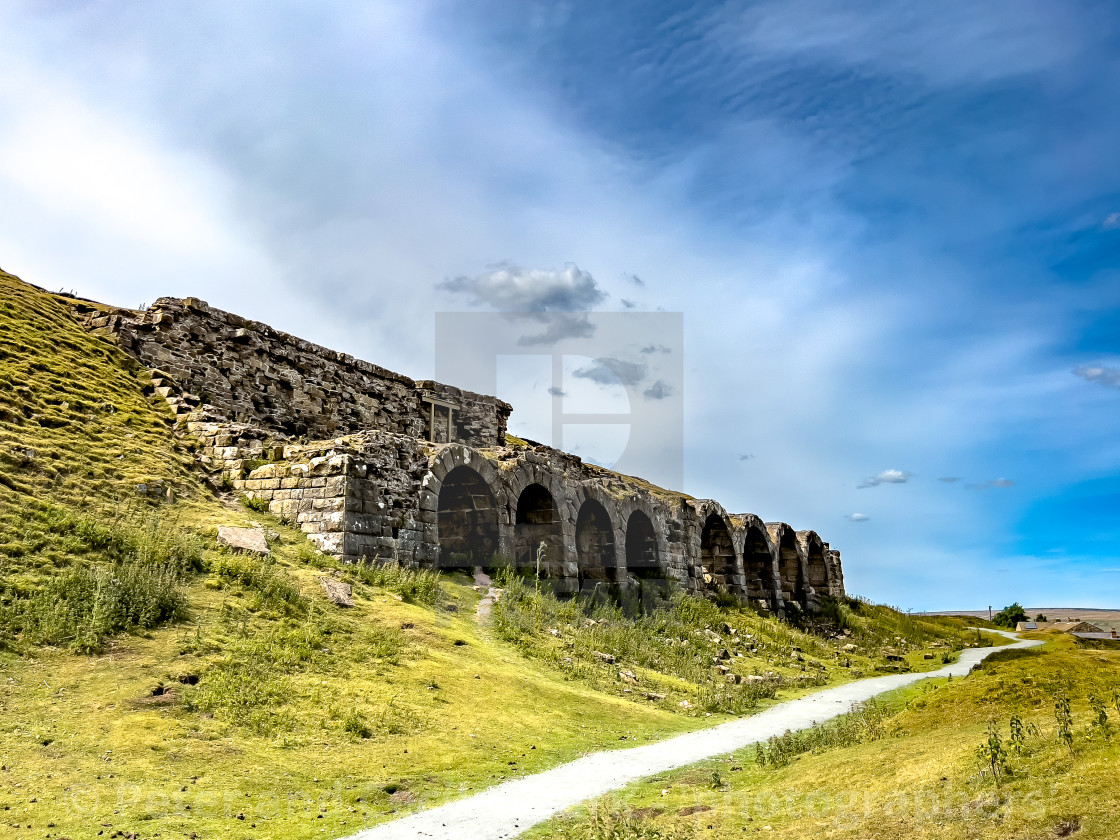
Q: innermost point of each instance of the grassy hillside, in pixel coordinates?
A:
(152, 683)
(919, 764)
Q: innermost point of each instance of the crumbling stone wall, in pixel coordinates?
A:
(248, 372)
(348, 451)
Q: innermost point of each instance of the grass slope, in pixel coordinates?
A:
(153, 684)
(912, 767)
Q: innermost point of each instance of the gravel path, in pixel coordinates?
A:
(512, 807)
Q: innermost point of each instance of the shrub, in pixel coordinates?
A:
(1010, 616)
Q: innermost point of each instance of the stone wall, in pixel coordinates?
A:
(380, 497)
(248, 372)
(348, 452)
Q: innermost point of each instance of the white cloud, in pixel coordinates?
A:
(858, 517)
(1111, 222)
(1109, 377)
(886, 477)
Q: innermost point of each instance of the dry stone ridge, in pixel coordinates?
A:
(376, 467)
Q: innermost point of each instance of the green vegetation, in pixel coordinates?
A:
(1010, 616)
(1023, 747)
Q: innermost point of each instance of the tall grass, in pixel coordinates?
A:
(130, 578)
(865, 722)
(675, 639)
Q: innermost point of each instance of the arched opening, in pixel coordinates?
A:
(467, 520)
(595, 552)
(758, 564)
(537, 522)
(815, 565)
(717, 553)
(641, 548)
(789, 568)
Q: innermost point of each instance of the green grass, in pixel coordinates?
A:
(920, 768)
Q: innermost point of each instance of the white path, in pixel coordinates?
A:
(510, 808)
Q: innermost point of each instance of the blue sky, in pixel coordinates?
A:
(893, 230)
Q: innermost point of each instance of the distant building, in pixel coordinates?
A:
(1111, 634)
(1025, 625)
(1075, 627)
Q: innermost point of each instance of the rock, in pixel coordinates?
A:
(722, 669)
(734, 679)
(628, 676)
(554, 632)
(927, 656)
(338, 593)
(684, 704)
(894, 657)
(850, 647)
(244, 539)
(653, 695)
(724, 654)
(726, 629)
(605, 658)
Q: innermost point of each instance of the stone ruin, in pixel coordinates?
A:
(375, 467)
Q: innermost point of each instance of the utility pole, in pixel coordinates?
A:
(989, 612)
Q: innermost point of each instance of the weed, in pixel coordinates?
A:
(993, 754)
(255, 504)
(1064, 718)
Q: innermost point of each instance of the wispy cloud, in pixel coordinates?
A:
(858, 517)
(746, 457)
(886, 477)
(950, 479)
(1109, 377)
(659, 390)
(995, 482)
(556, 392)
(656, 348)
(1111, 222)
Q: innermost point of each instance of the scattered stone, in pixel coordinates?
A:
(850, 647)
(653, 695)
(605, 658)
(628, 676)
(251, 540)
(894, 657)
(338, 593)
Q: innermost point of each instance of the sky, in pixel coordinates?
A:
(892, 233)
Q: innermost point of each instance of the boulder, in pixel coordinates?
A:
(338, 593)
(251, 540)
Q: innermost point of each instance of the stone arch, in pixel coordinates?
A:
(816, 563)
(537, 521)
(758, 565)
(717, 553)
(595, 544)
(790, 576)
(466, 518)
(643, 555)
